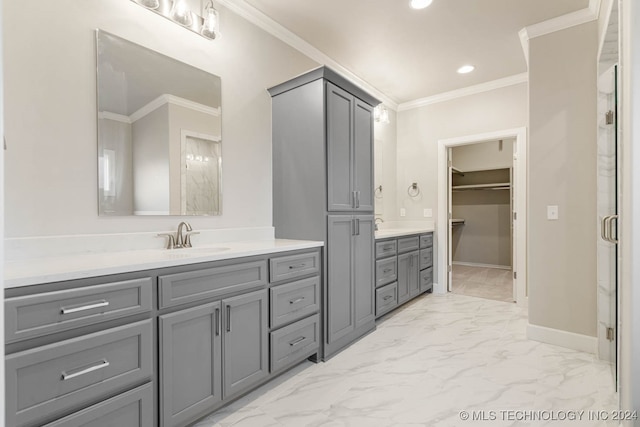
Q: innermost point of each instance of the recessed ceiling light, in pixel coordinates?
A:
(466, 69)
(420, 4)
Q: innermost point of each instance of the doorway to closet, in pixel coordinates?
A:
(482, 215)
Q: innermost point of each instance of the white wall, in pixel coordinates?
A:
(486, 155)
(2, 386)
(385, 166)
(50, 116)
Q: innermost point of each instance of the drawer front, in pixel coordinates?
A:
(386, 271)
(294, 301)
(426, 240)
(180, 288)
(426, 258)
(47, 380)
(408, 244)
(426, 279)
(132, 409)
(41, 314)
(292, 266)
(295, 342)
(386, 249)
(386, 298)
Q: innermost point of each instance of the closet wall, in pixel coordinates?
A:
(485, 236)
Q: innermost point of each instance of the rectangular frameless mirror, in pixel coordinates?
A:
(159, 133)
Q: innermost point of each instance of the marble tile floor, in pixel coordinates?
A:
(426, 362)
(483, 282)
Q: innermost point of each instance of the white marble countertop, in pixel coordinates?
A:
(397, 232)
(77, 266)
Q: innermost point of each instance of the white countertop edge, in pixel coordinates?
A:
(53, 269)
(398, 232)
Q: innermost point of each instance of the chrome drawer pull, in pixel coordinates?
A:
(297, 300)
(387, 248)
(387, 270)
(65, 310)
(297, 341)
(101, 365)
(292, 267)
(388, 297)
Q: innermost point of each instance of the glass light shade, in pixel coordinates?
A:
(420, 4)
(210, 25)
(180, 13)
(149, 4)
(466, 69)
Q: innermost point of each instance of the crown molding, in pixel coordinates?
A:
(256, 17)
(175, 100)
(466, 91)
(108, 115)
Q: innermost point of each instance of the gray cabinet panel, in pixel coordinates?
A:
(386, 298)
(53, 378)
(245, 357)
(407, 244)
(408, 285)
(363, 256)
(295, 342)
(340, 317)
(45, 313)
(386, 271)
(426, 240)
(339, 115)
(190, 362)
(196, 285)
(292, 266)
(426, 280)
(363, 156)
(294, 301)
(426, 258)
(386, 248)
(414, 274)
(131, 409)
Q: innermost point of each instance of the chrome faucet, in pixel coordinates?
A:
(377, 223)
(181, 239)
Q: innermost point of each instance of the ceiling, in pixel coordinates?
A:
(411, 54)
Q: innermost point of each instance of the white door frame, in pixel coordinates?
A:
(520, 163)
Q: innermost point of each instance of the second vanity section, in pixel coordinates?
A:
(164, 347)
(404, 268)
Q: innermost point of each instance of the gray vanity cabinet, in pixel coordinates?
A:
(322, 179)
(408, 269)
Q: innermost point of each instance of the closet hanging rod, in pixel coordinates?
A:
(492, 186)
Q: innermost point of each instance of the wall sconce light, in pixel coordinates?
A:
(380, 114)
(179, 12)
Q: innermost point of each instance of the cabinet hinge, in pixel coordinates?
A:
(515, 216)
(515, 274)
(609, 117)
(610, 334)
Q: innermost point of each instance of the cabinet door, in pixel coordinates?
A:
(190, 363)
(339, 315)
(339, 149)
(245, 359)
(364, 283)
(414, 273)
(363, 156)
(404, 262)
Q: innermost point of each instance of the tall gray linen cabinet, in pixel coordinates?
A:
(323, 190)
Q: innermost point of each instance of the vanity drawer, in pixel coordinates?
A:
(386, 271)
(180, 288)
(426, 258)
(426, 240)
(294, 301)
(295, 342)
(426, 279)
(42, 314)
(51, 379)
(292, 266)
(386, 298)
(408, 244)
(132, 409)
(386, 248)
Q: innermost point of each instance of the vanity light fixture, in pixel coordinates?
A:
(466, 69)
(420, 4)
(380, 114)
(179, 12)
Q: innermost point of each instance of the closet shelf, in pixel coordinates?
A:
(457, 221)
(493, 186)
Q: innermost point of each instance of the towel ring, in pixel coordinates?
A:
(377, 192)
(413, 190)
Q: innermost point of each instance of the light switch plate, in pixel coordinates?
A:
(427, 213)
(552, 212)
(403, 212)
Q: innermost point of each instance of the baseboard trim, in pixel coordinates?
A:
(562, 338)
(475, 264)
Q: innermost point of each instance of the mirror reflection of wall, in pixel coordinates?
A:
(152, 110)
(378, 177)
